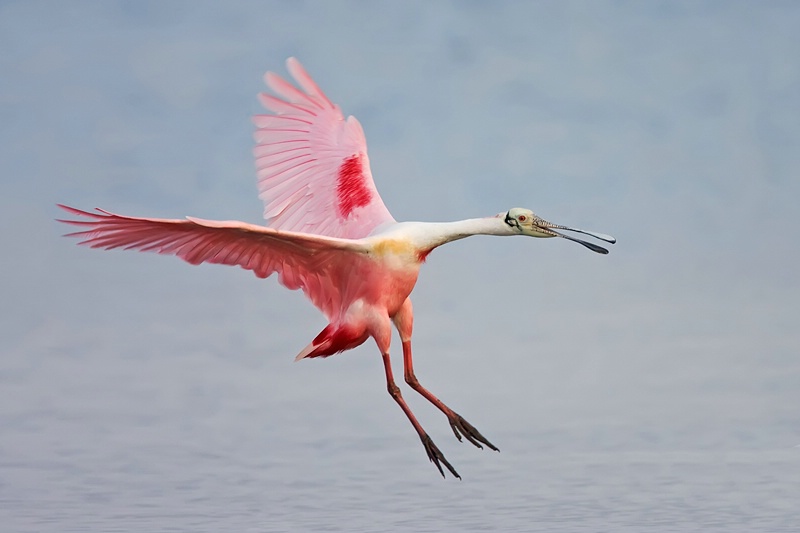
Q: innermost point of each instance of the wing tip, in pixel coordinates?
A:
(73, 210)
(81, 212)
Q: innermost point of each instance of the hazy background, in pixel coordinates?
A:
(656, 387)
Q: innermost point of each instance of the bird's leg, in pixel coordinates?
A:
(434, 454)
(404, 322)
(457, 422)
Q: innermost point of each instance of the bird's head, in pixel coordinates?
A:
(524, 222)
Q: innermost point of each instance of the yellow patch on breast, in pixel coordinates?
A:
(394, 247)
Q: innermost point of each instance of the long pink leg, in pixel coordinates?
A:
(404, 321)
(434, 454)
(457, 422)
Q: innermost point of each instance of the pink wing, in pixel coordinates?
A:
(313, 169)
(317, 264)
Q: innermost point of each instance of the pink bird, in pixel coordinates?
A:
(328, 233)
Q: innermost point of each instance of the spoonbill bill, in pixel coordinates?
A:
(328, 233)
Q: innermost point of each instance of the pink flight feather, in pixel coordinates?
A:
(305, 156)
(301, 260)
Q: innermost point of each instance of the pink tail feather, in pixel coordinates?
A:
(333, 340)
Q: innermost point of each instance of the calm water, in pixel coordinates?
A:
(207, 442)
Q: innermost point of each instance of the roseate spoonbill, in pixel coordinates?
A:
(328, 233)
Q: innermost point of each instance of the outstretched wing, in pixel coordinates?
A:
(317, 264)
(313, 169)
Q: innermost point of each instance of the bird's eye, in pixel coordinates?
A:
(522, 218)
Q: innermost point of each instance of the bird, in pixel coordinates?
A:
(327, 233)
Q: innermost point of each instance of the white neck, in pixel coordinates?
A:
(429, 235)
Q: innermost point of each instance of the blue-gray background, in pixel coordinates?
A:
(657, 387)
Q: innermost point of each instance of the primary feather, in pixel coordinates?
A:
(313, 263)
(312, 164)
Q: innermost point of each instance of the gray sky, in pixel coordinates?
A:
(671, 125)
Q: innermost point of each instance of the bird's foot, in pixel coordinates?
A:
(436, 456)
(462, 427)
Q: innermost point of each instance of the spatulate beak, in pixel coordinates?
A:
(551, 228)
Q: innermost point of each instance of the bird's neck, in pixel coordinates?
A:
(439, 233)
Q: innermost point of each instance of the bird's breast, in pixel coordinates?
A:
(394, 247)
(391, 273)
(399, 252)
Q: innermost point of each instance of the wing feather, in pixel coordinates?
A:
(308, 85)
(312, 164)
(317, 264)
